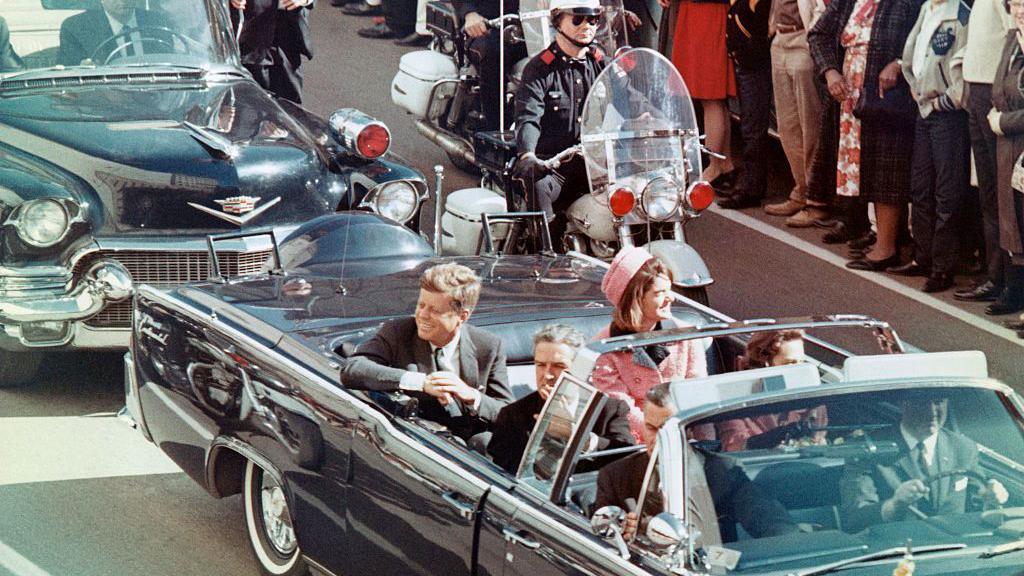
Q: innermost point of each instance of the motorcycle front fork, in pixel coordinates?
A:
(626, 239)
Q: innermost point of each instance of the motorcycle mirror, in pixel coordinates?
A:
(665, 531)
(605, 521)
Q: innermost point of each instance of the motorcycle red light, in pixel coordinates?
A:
(622, 202)
(373, 141)
(700, 196)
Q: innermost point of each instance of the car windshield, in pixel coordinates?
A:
(95, 36)
(832, 475)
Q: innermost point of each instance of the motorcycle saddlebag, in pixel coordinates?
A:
(494, 149)
(442, 20)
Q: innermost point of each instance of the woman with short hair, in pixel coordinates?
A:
(640, 287)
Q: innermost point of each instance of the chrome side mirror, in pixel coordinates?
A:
(666, 531)
(607, 523)
(606, 520)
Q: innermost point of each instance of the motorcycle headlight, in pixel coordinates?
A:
(42, 223)
(660, 198)
(396, 200)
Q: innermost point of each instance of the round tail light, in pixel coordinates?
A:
(373, 141)
(622, 202)
(700, 195)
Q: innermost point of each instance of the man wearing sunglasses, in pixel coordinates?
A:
(549, 109)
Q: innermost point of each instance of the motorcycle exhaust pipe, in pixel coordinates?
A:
(450, 144)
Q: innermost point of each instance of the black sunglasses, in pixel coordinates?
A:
(578, 19)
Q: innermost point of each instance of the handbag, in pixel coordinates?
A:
(1017, 177)
(897, 106)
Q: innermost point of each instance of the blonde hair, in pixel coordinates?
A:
(629, 313)
(455, 281)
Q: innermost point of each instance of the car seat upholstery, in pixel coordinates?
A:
(816, 502)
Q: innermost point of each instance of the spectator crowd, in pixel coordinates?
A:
(902, 121)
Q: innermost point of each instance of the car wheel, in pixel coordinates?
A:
(18, 368)
(269, 524)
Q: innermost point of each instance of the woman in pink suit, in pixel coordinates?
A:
(639, 286)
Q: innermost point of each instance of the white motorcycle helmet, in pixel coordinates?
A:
(575, 7)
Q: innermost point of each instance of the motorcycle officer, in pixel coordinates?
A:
(484, 51)
(549, 109)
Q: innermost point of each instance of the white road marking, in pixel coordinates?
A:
(874, 277)
(47, 449)
(18, 564)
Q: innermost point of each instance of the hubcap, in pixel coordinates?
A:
(276, 520)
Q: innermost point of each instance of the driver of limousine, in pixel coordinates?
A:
(456, 370)
(874, 492)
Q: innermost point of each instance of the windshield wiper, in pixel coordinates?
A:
(879, 555)
(1000, 549)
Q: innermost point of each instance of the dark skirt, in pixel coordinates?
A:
(887, 150)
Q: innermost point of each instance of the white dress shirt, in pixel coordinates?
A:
(135, 37)
(929, 445)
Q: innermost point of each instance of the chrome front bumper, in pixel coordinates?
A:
(48, 322)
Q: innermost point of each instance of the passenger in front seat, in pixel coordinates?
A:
(8, 58)
(554, 348)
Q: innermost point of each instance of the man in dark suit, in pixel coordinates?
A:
(83, 34)
(275, 36)
(8, 57)
(874, 492)
(456, 370)
(554, 348)
(734, 497)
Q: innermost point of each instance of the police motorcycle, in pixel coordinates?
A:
(440, 87)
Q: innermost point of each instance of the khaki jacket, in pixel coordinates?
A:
(940, 83)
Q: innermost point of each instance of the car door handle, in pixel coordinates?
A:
(519, 537)
(466, 510)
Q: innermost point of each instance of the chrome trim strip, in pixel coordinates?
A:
(312, 377)
(131, 397)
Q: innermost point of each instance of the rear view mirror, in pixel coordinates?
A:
(70, 4)
(665, 531)
(606, 520)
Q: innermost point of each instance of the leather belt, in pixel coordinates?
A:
(788, 28)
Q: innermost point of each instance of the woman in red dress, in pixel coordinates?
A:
(699, 53)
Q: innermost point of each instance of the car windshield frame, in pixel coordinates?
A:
(671, 452)
(200, 38)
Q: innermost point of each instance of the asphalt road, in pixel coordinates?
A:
(82, 494)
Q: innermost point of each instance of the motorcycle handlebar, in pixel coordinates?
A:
(495, 23)
(555, 161)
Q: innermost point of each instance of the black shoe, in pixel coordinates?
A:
(984, 292)
(840, 234)
(911, 268)
(1014, 324)
(361, 9)
(870, 265)
(862, 242)
(724, 181)
(415, 39)
(1009, 301)
(938, 282)
(381, 30)
(830, 222)
(737, 201)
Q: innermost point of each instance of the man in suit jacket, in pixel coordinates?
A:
(275, 36)
(874, 492)
(8, 57)
(554, 348)
(732, 495)
(82, 34)
(456, 370)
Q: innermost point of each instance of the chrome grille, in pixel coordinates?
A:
(163, 270)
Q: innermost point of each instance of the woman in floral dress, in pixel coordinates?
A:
(856, 46)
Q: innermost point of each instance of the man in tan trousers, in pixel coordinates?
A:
(797, 106)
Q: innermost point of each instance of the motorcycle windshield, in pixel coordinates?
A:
(638, 123)
(535, 19)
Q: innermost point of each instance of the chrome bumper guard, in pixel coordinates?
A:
(105, 282)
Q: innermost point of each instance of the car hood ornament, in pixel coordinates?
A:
(237, 209)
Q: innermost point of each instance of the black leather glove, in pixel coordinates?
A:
(529, 165)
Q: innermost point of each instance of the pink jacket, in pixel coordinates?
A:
(618, 376)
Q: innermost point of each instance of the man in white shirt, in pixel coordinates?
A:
(95, 35)
(874, 492)
(456, 370)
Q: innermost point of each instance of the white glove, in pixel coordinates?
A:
(993, 121)
(995, 493)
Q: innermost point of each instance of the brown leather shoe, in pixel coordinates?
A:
(807, 217)
(787, 208)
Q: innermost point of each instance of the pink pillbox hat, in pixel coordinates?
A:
(625, 265)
